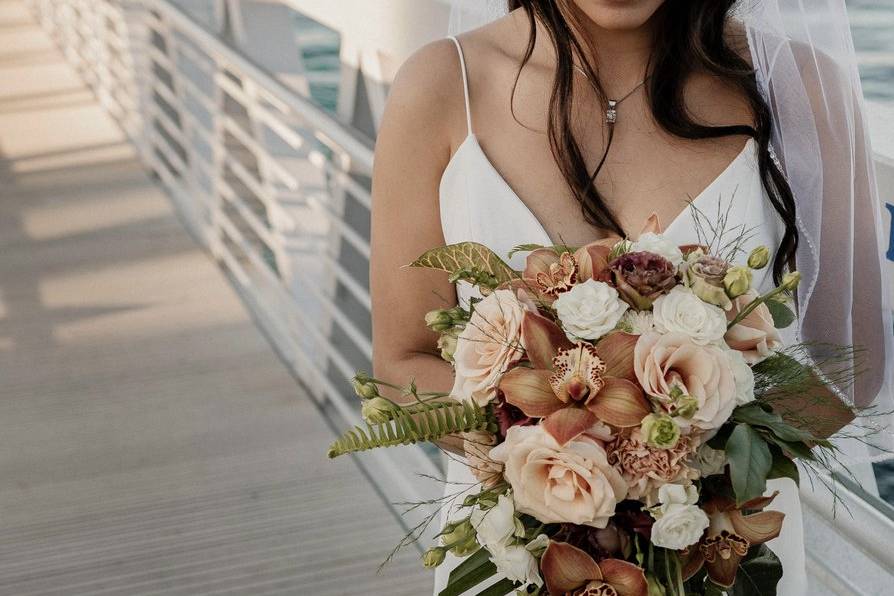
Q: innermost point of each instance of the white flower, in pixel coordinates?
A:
(679, 521)
(681, 310)
(517, 564)
(637, 322)
(744, 377)
(658, 244)
(709, 461)
(496, 525)
(677, 494)
(590, 310)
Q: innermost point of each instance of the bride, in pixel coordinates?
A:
(565, 121)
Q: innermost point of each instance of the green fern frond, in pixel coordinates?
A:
(419, 422)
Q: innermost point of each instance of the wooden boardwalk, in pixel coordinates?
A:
(150, 440)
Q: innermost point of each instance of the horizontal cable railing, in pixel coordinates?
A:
(274, 185)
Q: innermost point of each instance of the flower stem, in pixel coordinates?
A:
(754, 304)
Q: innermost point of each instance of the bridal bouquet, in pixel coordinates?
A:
(622, 407)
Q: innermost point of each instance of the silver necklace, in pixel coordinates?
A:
(611, 110)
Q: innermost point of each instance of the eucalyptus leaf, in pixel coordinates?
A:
(749, 462)
(758, 574)
(781, 313)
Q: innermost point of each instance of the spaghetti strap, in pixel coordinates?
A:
(462, 65)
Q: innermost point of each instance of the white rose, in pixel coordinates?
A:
(681, 310)
(679, 526)
(679, 521)
(496, 525)
(590, 310)
(709, 461)
(658, 244)
(516, 563)
(744, 377)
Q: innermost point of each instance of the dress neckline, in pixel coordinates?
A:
(472, 141)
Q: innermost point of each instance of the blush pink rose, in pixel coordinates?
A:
(671, 368)
(487, 347)
(754, 336)
(572, 483)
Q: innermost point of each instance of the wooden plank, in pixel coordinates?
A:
(150, 440)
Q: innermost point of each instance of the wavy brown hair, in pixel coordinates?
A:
(693, 39)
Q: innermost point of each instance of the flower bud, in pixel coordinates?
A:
(791, 280)
(439, 320)
(434, 557)
(759, 257)
(457, 533)
(737, 281)
(364, 388)
(447, 345)
(377, 410)
(660, 431)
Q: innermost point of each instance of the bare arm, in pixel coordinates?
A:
(412, 150)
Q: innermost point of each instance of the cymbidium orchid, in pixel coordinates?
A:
(569, 571)
(572, 386)
(729, 536)
(550, 272)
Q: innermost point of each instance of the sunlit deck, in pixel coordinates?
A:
(151, 441)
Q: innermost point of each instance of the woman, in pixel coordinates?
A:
(565, 121)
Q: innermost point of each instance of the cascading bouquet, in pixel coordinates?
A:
(622, 405)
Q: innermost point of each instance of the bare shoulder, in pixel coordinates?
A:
(426, 95)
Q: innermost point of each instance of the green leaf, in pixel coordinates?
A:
(501, 588)
(781, 313)
(414, 424)
(471, 572)
(749, 463)
(758, 574)
(783, 466)
(457, 259)
(755, 415)
(523, 248)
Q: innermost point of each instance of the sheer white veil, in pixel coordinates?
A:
(803, 54)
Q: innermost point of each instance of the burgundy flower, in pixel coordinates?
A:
(508, 415)
(642, 276)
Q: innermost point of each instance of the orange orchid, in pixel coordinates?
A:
(572, 386)
(549, 272)
(729, 537)
(569, 571)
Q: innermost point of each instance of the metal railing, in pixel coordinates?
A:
(279, 190)
(276, 187)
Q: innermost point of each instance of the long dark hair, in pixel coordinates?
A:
(693, 39)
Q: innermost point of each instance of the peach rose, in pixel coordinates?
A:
(754, 336)
(573, 483)
(487, 347)
(681, 374)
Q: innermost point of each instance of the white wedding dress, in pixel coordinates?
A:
(477, 204)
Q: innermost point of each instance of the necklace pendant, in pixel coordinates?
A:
(611, 114)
